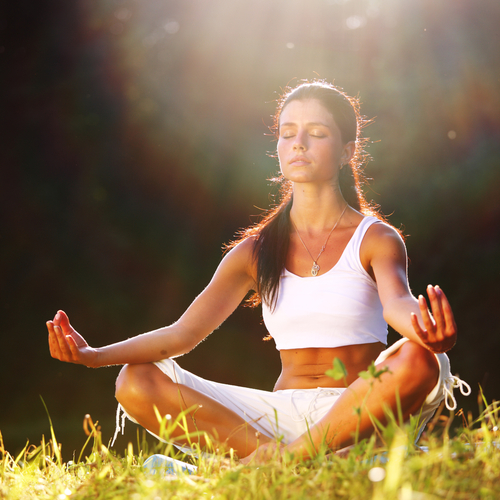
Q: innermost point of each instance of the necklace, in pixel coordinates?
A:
(315, 267)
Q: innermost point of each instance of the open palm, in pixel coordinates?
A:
(439, 332)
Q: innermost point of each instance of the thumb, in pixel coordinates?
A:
(63, 320)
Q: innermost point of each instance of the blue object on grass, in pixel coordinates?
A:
(163, 465)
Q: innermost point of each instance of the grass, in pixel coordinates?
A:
(465, 466)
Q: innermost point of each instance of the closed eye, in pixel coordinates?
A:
(313, 132)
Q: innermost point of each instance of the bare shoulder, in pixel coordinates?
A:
(240, 258)
(383, 235)
(381, 241)
(243, 250)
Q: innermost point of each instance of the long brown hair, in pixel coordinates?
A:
(272, 234)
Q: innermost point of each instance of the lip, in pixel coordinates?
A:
(299, 160)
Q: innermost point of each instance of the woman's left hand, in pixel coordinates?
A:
(440, 330)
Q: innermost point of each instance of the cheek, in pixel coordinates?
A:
(280, 150)
(331, 154)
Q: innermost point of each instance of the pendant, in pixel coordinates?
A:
(315, 269)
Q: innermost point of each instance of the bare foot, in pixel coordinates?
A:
(264, 453)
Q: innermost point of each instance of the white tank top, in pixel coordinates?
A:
(338, 308)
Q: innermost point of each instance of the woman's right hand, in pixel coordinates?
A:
(66, 344)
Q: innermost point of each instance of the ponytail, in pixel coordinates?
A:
(270, 250)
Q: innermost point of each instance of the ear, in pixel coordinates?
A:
(347, 152)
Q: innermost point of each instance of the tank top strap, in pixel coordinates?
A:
(352, 251)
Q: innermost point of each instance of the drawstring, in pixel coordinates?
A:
(119, 411)
(451, 383)
(320, 391)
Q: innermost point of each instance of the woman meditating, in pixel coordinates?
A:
(330, 275)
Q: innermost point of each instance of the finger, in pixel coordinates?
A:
(449, 318)
(75, 353)
(62, 343)
(63, 322)
(53, 345)
(53, 342)
(416, 324)
(437, 311)
(424, 336)
(426, 317)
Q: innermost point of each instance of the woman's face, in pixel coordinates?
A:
(310, 147)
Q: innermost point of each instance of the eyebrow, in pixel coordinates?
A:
(309, 124)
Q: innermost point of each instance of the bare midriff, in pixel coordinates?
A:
(305, 368)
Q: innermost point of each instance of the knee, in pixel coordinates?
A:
(419, 366)
(135, 383)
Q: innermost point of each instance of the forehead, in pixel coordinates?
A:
(306, 111)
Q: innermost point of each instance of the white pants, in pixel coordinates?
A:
(287, 414)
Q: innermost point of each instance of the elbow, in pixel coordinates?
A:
(387, 314)
(194, 341)
(187, 337)
(393, 308)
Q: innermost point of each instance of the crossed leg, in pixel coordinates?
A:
(141, 387)
(413, 373)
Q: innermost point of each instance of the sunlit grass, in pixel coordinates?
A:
(463, 466)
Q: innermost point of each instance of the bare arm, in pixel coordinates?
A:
(386, 254)
(229, 285)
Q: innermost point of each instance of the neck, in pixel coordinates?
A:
(316, 210)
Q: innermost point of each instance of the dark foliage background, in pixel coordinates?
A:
(133, 144)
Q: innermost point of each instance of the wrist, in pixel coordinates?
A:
(95, 359)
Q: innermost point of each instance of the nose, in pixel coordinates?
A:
(300, 143)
